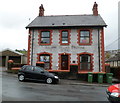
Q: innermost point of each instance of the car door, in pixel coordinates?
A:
(40, 73)
(29, 72)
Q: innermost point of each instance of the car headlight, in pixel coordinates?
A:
(56, 77)
(115, 94)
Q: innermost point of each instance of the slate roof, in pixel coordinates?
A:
(9, 52)
(115, 58)
(67, 20)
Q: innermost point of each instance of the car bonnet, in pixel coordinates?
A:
(114, 88)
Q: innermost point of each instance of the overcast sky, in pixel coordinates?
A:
(15, 15)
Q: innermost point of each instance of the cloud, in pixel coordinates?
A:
(11, 20)
(15, 14)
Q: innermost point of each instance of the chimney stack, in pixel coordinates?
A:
(95, 9)
(41, 10)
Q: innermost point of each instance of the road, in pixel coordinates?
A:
(13, 90)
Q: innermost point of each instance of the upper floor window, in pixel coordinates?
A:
(64, 37)
(45, 37)
(84, 37)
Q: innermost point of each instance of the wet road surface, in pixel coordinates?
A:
(13, 90)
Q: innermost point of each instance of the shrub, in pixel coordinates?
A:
(12, 71)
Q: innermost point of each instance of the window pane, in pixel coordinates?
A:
(29, 68)
(85, 58)
(45, 34)
(111, 64)
(84, 33)
(85, 66)
(84, 40)
(41, 58)
(45, 40)
(115, 63)
(65, 34)
(85, 62)
(89, 59)
(44, 58)
(118, 63)
(84, 36)
(64, 40)
(37, 69)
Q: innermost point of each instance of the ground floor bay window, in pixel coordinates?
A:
(85, 62)
(45, 59)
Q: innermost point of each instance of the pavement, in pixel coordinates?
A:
(84, 83)
(70, 81)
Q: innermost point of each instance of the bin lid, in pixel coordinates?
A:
(109, 74)
(101, 73)
(89, 72)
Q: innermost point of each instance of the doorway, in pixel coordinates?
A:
(64, 62)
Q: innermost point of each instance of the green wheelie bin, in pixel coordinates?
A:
(90, 77)
(100, 77)
(109, 77)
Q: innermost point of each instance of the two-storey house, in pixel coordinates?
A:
(60, 41)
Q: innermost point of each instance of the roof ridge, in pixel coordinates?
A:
(68, 15)
(69, 20)
(11, 51)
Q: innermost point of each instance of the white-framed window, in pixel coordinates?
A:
(84, 37)
(45, 37)
(64, 37)
(115, 63)
(85, 62)
(46, 59)
(118, 63)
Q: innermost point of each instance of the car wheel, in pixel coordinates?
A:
(49, 80)
(21, 77)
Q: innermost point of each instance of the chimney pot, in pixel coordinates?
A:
(95, 9)
(41, 10)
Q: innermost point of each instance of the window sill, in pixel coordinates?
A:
(44, 44)
(84, 71)
(40, 62)
(64, 44)
(85, 44)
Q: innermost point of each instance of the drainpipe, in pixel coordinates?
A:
(32, 47)
(99, 48)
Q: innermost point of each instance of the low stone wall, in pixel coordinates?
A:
(116, 72)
